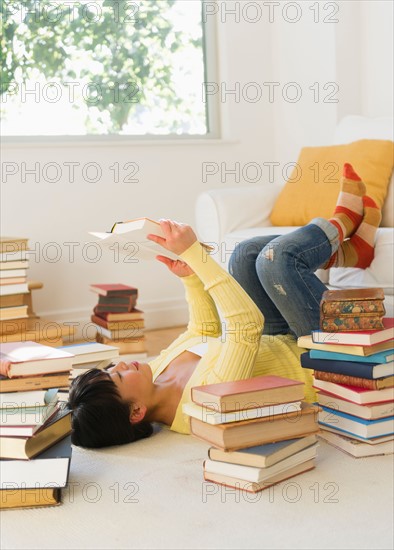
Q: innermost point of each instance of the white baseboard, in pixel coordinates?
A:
(158, 314)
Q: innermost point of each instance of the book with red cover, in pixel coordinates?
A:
(248, 394)
(355, 394)
(360, 337)
(124, 316)
(114, 289)
(118, 325)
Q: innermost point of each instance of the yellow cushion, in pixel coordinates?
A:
(314, 184)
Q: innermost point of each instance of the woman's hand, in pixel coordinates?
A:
(177, 267)
(178, 237)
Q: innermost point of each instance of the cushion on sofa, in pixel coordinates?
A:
(314, 184)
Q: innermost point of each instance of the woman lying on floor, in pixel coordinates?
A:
(117, 406)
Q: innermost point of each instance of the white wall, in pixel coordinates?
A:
(170, 175)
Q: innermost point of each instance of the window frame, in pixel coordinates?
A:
(213, 118)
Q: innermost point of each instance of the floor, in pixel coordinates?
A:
(151, 494)
(157, 340)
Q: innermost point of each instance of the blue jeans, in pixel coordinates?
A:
(278, 274)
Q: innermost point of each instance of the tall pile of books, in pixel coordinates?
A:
(18, 322)
(260, 429)
(354, 372)
(35, 446)
(13, 282)
(118, 322)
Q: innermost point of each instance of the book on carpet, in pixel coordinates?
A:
(127, 334)
(362, 338)
(28, 358)
(114, 308)
(87, 352)
(356, 448)
(137, 345)
(372, 441)
(14, 256)
(13, 326)
(24, 448)
(352, 301)
(121, 325)
(258, 475)
(20, 416)
(29, 498)
(13, 244)
(369, 412)
(12, 280)
(353, 349)
(249, 433)
(114, 289)
(7, 273)
(37, 330)
(254, 392)
(377, 358)
(211, 416)
(12, 300)
(47, 469)
(15, 312)
(84, 367)
(126, 301)
(18, 288)
(262, 456)
(130, 238)
(33, 398)
(39, 382)
(377, 384)
(14, 264)
(253, 487)
(124, 316)
(349, 368)
(367, 429)
(349, 323)
(118, 299)
(355, 393)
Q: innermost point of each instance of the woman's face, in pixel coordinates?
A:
(133, 380)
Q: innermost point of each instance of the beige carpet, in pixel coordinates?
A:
(151, 495)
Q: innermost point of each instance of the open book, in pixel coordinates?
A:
(130, 239)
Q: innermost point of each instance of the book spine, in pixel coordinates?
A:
(348, 368)
(345, 324)
(346, 380)
(353, 307)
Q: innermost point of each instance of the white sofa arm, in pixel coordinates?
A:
(222, 211)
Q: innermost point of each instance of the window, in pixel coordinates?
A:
(104, 68)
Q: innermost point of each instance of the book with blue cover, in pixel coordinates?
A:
(349, 368)
(377, 358)
(354, 425)
(263, 456)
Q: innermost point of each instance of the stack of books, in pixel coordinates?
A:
(354, 377)
(260, 429)
(35, 452)
(13, 280)
(118, 322)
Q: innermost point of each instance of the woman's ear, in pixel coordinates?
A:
(137, 412)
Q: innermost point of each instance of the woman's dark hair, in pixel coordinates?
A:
(99, 417)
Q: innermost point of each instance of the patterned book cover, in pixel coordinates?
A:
(378, 384)
(353, 301)
(357, 322)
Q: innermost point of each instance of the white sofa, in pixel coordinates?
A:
(225, 217)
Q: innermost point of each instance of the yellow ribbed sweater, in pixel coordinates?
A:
(236, 348)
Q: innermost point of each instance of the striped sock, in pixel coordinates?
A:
(348, 212)
(358, 251)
